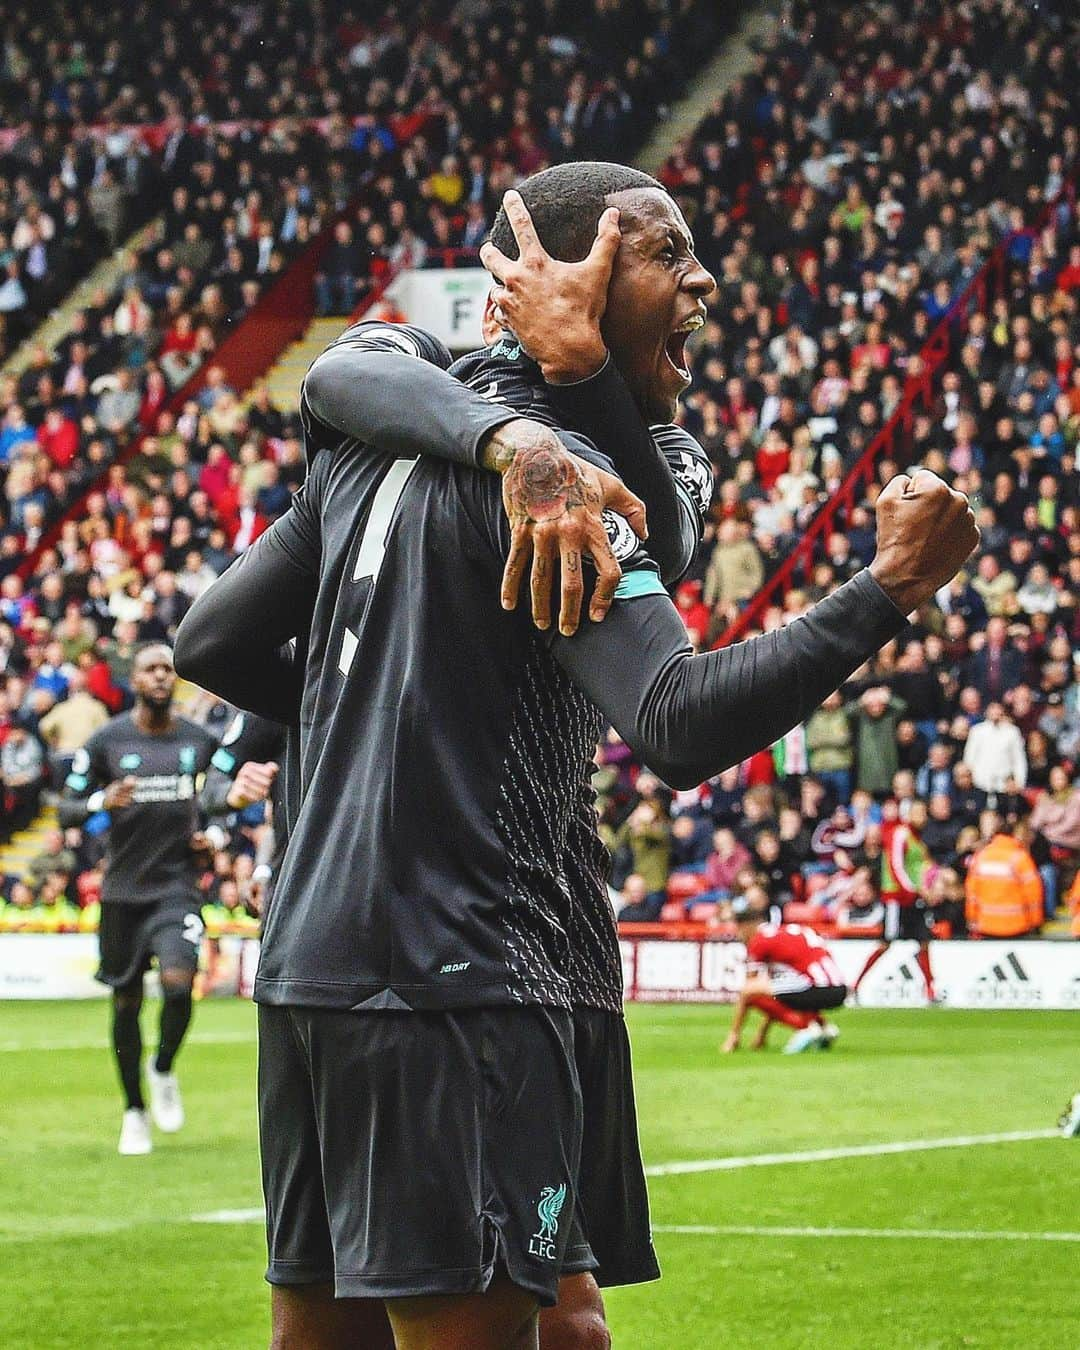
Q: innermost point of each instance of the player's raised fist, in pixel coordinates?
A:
(925, 533)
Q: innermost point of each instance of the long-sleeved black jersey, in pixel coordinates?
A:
(246, 738)
(445, 745)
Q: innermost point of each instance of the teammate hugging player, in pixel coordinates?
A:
(790, 978)
(138, 779)
(421, 957)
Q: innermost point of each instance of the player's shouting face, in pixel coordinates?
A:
(637, 290)
(656, 299)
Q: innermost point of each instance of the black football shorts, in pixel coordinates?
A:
(129, 935)
(612, 1215)
(908, 923)
(814, 998)
(416, 1153)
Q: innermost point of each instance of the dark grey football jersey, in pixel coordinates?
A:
(148, 851)
(441, 756)
(443, 839)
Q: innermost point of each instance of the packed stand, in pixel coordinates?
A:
(424, 116)
(888, 150)
(844, 193)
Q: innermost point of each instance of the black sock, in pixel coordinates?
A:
(127, 1043)
(175, 1016)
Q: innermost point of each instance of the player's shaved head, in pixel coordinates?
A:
(153, 654)
(153, 676)
(566, 203)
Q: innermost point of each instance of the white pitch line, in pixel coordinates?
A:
(230, 1216)
(773, 1160)
(853, 1151)
(227, 1216)
(216, 1038)
(931, 1234)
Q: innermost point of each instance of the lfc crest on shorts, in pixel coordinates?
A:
(548, 1209)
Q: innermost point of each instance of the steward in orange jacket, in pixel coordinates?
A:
(1004, 890)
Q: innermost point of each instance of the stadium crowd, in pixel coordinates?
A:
(408, 128)
(844, 192)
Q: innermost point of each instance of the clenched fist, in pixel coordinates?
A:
(254, 783)
(925, 533)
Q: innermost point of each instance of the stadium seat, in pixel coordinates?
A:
(796, 912)
(685, 885)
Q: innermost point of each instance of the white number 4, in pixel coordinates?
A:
(372, 550)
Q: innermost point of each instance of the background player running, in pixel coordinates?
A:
(138, 779)
(790, 978)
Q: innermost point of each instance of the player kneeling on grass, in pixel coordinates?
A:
(790, 978)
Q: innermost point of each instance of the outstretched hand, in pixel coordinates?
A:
(554, 503)
(554, 308)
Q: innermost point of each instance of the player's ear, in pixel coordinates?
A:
(490, 325)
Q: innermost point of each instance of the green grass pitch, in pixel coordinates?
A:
(101, 1251)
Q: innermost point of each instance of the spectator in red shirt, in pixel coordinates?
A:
(58, 436)
(772, 459)
(693, 611)
(155, 396)
(1069, 276)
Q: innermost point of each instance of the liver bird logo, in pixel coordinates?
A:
(548, 1210)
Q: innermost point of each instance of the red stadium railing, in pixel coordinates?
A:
(891, 442)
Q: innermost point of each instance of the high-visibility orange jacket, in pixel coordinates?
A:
(1072, 902)
(1004, 890)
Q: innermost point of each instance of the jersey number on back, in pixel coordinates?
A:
(372, 546)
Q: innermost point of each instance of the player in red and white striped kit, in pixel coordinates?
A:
(790, 977)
